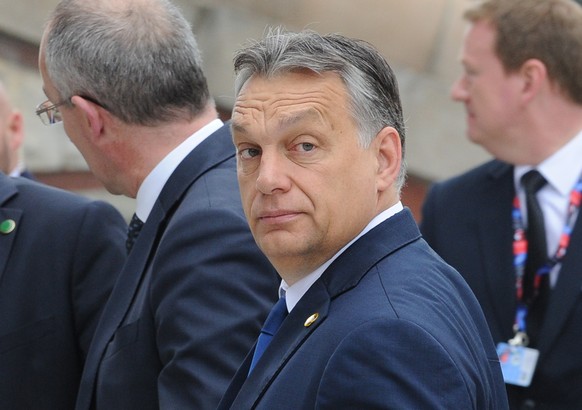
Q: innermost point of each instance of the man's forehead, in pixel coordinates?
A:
(281, 120)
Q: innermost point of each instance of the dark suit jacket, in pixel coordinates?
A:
(467, 220)
(27, 174)
(191, 298)
(57, 268)
(397, 329)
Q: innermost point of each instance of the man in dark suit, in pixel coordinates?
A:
(59, 257)
(522, 91)
(195, 289)
(376, 319)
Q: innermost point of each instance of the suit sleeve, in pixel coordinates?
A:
(392, 364)
(99, 257)
(211, 292)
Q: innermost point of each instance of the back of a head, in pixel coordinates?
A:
(546, 30)
(137, 58)
(369, 79)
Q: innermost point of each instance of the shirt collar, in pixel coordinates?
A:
(18, 170)
(296, 291)
(154, 183)
(552, 168)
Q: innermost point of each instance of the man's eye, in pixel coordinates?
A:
(248, 153)
(306, 146)
(471, 72)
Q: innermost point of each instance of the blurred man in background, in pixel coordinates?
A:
(60, 255)
(511, 226)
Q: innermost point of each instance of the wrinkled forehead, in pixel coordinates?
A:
(289, 99)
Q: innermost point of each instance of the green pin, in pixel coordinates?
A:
(7, 226)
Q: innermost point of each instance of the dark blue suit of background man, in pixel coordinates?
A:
(59, 257)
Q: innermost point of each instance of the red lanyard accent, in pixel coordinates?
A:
(520, 253)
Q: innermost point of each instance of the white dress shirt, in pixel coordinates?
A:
(153, 184)
(296, 291)
(562, 170)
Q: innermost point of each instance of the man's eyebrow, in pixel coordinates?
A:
(290, 119)
(285, 121)
(236, 127)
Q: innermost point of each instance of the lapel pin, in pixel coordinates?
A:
(311, 320)
(7, 226)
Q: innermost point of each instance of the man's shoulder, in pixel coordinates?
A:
(412, 285)
(473, 185)
(41, 197)
(493, 169)
(208, 168)
(216, 187)
(208, 205)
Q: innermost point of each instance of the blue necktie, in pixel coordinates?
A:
(276, 316)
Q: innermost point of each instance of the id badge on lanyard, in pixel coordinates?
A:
(518, 361)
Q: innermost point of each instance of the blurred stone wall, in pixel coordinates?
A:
(420, 39)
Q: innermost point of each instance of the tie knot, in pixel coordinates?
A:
(276, 317)
(133, 230)
(532, 182)
(272, 324)
(135, 223)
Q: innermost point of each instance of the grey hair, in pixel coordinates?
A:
(369, 79)
(137, 58)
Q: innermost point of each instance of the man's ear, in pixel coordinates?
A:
(93, 114)
(16, 130)
(389, 157)
(534, 74)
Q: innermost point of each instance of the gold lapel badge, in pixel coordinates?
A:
(7, 226)
(311, 320)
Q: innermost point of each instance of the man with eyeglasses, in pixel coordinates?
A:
(49, 113)
(125, 79)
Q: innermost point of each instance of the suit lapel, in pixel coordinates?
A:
(495, 239)
(213, 151)
(7, 191)
(566, 293)
(494, 222)
(288, 339)
(341, 276)
(119, 302)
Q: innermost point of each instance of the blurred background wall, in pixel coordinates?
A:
(420, 39)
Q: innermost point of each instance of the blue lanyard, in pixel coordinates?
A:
(520, 246)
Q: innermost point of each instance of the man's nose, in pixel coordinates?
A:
(273, 174)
